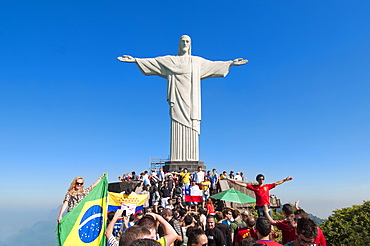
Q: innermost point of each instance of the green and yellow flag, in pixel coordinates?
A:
(85, 224)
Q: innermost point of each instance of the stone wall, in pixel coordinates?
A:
(226, 184)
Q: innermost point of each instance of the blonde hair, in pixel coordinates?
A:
(71, 190)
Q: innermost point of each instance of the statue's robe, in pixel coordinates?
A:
(183, 74)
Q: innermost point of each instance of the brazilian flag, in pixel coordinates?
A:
(85, 224)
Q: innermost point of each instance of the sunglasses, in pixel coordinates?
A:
(79, 183)
(302, 241)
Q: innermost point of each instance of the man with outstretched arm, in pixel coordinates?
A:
(262, 192)
(286, 225)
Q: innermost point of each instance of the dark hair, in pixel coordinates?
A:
(139, 214)
(148, 222)
(235, 213)
(145, 242)
(188, 219)
(110, 215)
(248, 241)
(307, 227)
(128, 191)
(259, 176)
(193, 234)
(132, 233)
(300, 212)
(219, 216)
(263, 226)
(202, 211)
(226, 211)
(288, 209)
(210, 216)
(132, 217)
(182, 212)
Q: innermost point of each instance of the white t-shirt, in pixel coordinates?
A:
(238, 177)
(199, 177)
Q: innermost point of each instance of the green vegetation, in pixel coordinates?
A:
(348, 226)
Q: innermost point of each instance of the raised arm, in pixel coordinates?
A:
(283, 181)
(97, 181)
(126, 220)
(296, 205)
(266, 210)
(236, 182)
(109, 230)
(169, 233)
(126, 58)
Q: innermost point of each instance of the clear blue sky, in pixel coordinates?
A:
(299, 108)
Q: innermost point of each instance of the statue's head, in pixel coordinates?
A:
(185, 45)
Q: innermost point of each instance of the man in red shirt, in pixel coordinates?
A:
(249, 231)
(286, 227)
(320, 238)
(263, 227)
(307, 232)
(262, 192)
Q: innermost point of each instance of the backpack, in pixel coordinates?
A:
(239, 227)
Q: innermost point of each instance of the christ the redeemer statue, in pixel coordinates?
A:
(183, 73)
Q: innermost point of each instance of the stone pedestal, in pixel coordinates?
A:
(190, 165)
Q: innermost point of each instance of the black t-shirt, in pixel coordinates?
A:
(215, 237)
(166, 191)
(223, 228)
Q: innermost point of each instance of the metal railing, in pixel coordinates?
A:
(156, 162)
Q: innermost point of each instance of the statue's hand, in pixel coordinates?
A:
(126, 58)
(239, 61)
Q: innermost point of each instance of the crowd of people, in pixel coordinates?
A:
(167, 219)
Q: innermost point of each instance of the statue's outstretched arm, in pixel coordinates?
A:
(126, 58)
(239, 61)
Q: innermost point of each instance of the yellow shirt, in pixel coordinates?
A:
(162, 241)
(185, 177)
(205, 185)
(223, 176)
